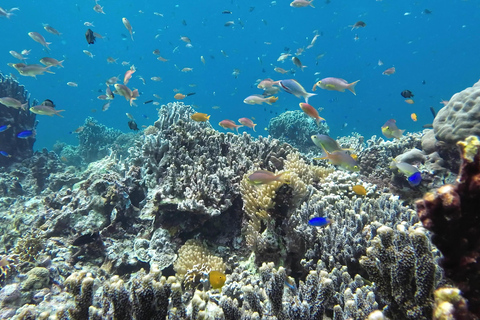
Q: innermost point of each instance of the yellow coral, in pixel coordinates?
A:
(470, 147)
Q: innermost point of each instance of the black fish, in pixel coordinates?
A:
(86, 238)
(227, 12)
(90, 36)
(133, 125)
(407, 94)
(148, 101)
(434, 113)
(49, 103)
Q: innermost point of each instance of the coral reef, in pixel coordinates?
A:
(296, 128)
(460, 117)
(452, 214)
(18, 120)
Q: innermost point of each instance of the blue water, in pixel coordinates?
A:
(435, 55)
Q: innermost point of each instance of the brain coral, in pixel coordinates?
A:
(460, 117)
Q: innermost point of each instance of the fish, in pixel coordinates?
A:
(283, 56)
(40, 39)
(26, 52)
(51, 29)
(325, 142)
(293, 87)
(130, 116)
(127, 25)
(180, 96)
(200, 117)
(51, 62)
(88, 53)
(88, 24)
(298, 63)
(359, 24)
(46, 110)
(128, 74)
(125, 92)
(301, 3)
(133, 125)
(389, 71)
(202, 59)
(5, 154)
(407, 94)
(390, 129)
(409, 101)
(156, 79)
(266, 83)
(414, 177)
(335, 84)
(33, 70)
(280, 70)
(187, 69)
(247, 123)
(162, 59)
(5, 127)
(311, 112)
(413, 116)
(229, 23)
(185, 39)
(359, 190)
(106, 105)
(98, 8)
(226, 12)
(13, 103)
(319, 222)
(148, 101)
(259, 99)
(112, 80)
(341, 159)
(217, 279)
(72, 84)
(7, 13)
(26, 134)
(17, 55)
(266, 177)
(111, 60)
(229, 124)
(90, 36)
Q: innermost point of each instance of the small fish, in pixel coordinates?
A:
(46, 110)
(26, 134)
(88, 24)
(127, 25)
(4, 127)
(413, 116)
(162, 59)
(217, 279)
(407, 94)
(72, 84)
(380, 63)
(106, 105)
(229, 23)
(280, 70)
(5, 154)
(17, 55)
(293, 87)
(112, 80)
(359, 24)
(311, 112)
(266, 83)
(414, 177)
(359, 190)
(186, 39)
(229, 124)
(98, 8)
(51, 29)
(148, 101)
(51, 62)
(325, 142)
(130, 116)
(319, 222)
(128, 74)
(13, 103)
(265, 177)
(341, 159)
(390, 129)
(247, 123)
(40, 39)
(202, 59)
(409, 101)
(88, 53)
(111, 60)
(125, 92)
(283, 56)
(301, 3)
(200, 117)
(90, 36)
(78, 130)
(335, 84)
(226, 12)
(298, 63)
(259, 99)
(187, 69)
(389, 71)
(156, 79)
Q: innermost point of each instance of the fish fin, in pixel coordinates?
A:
(311, 5)
(58, 113)
(254, 127)
(351, 87)
(208, 117)
(303, 66)
(309, 95)
(236, 128)
(50, 71)
(60, 63)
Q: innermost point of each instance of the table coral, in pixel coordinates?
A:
(452, 214)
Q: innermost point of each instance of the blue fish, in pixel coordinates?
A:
(25, 134)
(5, 154)
(4, 127)
(415, 179)
(319, 222)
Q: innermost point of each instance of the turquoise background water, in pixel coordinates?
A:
(435, 55)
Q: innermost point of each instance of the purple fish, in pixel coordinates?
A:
(319, 221)
(25, 134)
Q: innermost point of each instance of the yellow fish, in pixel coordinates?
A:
(217, 279)
(200, 117)
(359, 190)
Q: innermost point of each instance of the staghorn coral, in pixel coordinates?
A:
(451, 213)
(460, 117)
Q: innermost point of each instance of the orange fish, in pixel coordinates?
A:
(179, 96)
(409, 101)
(311, 112)
(128, 74)
(229, 124)
(413, 116)
(247, 123)
(200, 117)
(359, 190)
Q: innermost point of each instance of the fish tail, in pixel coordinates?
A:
(236, 128)
(309, 95)
(311, 5)
(25, 106)
(58, 113)
(254, 127)
(315, 86)
(304, 66)
(351, 87)
(60, 63)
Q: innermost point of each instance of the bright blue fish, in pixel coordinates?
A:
(319, 222)
(25, 134)
(415, 179)
(4, 127)
(5, 154)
